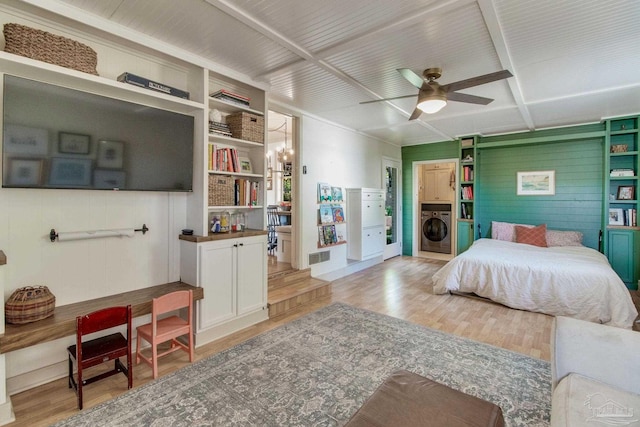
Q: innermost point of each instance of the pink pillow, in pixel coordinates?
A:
(536, 236)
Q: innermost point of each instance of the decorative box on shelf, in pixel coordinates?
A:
(247, 126)
(150, 84)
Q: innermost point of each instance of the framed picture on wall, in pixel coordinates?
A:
(26, 140)
(108, 179)
(536, 183)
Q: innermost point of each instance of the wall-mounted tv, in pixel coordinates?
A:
(56, 137)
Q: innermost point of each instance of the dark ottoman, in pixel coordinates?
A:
(407, 399)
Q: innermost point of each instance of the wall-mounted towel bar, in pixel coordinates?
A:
(95, 234)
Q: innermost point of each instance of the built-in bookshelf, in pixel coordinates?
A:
(467, 178)
(622, 239)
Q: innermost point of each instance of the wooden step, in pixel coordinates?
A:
(285, 278)
(293, 295)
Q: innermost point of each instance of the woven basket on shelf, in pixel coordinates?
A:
(29, 304)
(47, 47)
(221, 190)
(247, 126)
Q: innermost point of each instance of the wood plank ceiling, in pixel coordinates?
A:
(574, 61)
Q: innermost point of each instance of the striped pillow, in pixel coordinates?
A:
(536, 236)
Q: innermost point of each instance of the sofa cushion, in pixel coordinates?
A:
(582, 401)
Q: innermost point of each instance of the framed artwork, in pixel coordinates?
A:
(109, 179)
(25, 172)
(269, 184)
(66, 172)
(245, 165)
(73, 143)
(616, 217)
(110, 154)
(538, 183)
(626, 192)
(26, 140)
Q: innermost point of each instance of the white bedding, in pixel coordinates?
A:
(573, 281)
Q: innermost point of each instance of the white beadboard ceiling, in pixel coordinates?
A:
(574, 61)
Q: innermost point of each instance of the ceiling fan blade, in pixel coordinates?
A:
(413, 78)
(477, 81)
(416, 113)
(471, 99)
(389, 99)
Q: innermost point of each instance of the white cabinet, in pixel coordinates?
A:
(365, 223)
(233, 273)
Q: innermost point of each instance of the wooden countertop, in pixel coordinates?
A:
(63, 321)
(223, 236)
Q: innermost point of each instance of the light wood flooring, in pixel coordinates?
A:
(399, 287)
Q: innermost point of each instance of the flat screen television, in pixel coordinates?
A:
(56, 137)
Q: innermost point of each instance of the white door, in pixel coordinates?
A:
(217, 277)
(391, 182)
(252, 273)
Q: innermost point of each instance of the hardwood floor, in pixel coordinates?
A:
(399, 287)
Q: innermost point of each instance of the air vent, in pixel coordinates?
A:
(318, 257)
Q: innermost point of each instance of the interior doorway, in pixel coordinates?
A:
(281, 191)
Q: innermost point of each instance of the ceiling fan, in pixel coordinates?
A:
(432, 96)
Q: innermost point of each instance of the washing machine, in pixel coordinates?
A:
(436, 227)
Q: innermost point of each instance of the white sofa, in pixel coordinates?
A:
(595, 372)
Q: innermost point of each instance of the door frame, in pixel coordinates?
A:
(394, 249)
(416, 225)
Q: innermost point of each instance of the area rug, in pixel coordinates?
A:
(319, 369)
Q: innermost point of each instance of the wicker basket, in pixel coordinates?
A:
(619, 148)
(29, 304)
(249, 127)
(221, 190)
(47, 47)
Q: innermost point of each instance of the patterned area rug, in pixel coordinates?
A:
(318, 370)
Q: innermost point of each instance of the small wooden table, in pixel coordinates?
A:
(63, 321)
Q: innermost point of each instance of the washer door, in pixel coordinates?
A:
(434, 229)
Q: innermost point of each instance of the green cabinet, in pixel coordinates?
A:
(465, 235)
(622, 241)
(468, 154)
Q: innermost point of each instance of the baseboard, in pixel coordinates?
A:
(352, 267)
(227, 328)
(37, 377)
(6, 412)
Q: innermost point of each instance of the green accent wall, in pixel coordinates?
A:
(576, 204)
(575, 153)
(417, 153)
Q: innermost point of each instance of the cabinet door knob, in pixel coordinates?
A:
(241, 244)
(235, 245)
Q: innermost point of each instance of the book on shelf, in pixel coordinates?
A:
(324, 192)
(622, 172)
(246, 192)
(630, 217)
(219, 128)
(329, 234)
(326, 214)
(336, 194)
(467, 192)
(467, 172)
(235, 98)
(223, 159)
(338, 213)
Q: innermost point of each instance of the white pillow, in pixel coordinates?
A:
(505, 230)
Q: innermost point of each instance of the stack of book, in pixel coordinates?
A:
(219, 128)
(630, 217)
(234, 98)
(467, 193)
(468, 173)
(246, 192)
(223, 159)
(622, 172)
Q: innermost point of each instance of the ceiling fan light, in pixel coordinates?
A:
(432, 105)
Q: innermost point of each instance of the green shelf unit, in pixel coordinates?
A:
(467, 190)
(621, 243)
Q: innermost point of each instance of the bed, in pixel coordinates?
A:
(573, 281)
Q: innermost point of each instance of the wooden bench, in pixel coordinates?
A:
(63, 321)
